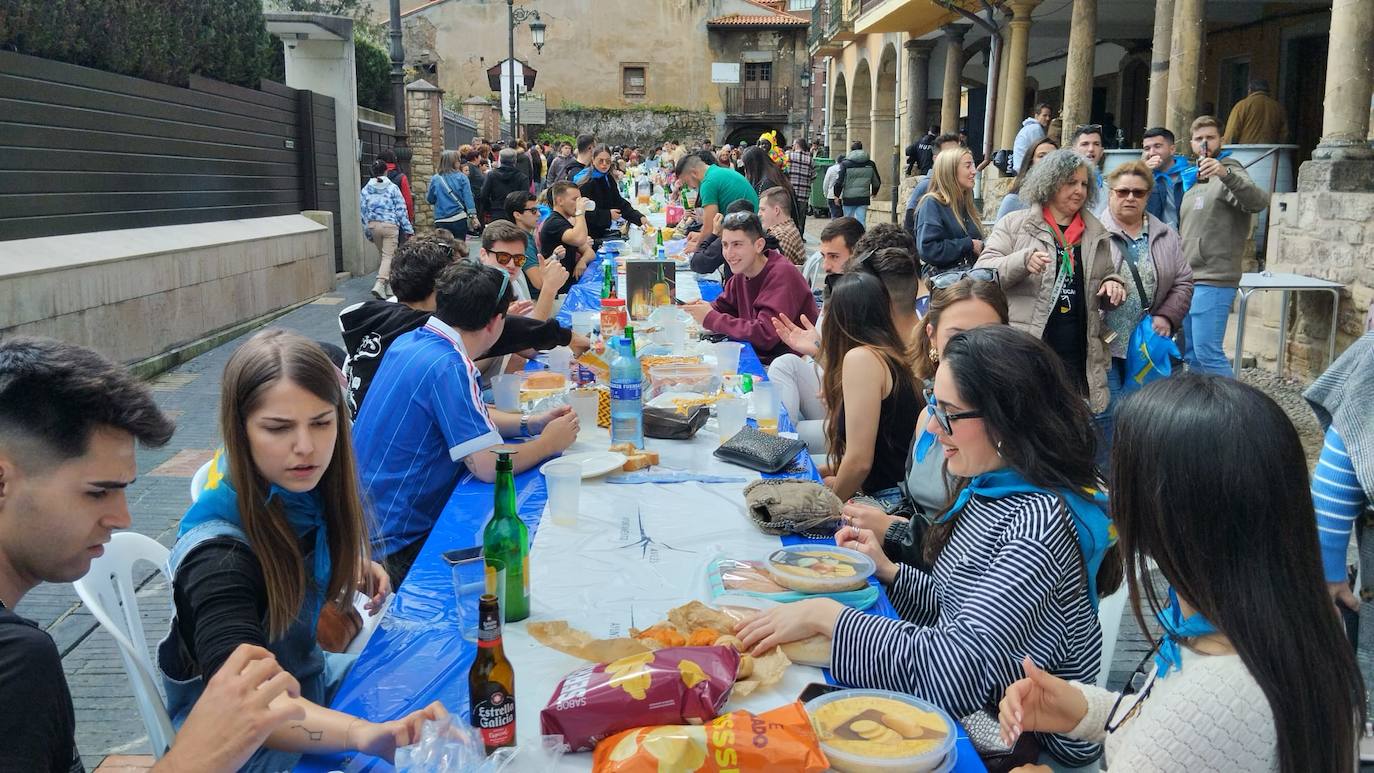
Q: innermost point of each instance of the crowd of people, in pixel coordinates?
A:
(966, 389)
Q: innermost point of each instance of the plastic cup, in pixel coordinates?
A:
(473, 577)
(559, 359)
(675, 333)
(564, 482)
(505, 388)
(584, 403)
(727, 356)
(765, 400)
(585, 322)
(731, 412)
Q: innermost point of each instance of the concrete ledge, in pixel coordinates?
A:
(137, 293)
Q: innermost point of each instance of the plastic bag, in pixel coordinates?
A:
(777, 740)
(456, 747)
(668, 424)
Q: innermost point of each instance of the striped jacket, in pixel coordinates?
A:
(1008, 584)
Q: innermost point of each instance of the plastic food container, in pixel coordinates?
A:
(878, 731)
(820, 568)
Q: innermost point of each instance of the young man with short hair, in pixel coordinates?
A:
(717, 188)
(69, 422)
(566, 225)
(425, 420)
(580, 160)
(1087, 141)
(522, 208)
(1168, 169)
(503, 244)
(857, 182)
(921, 153)
(837, 243)
(1032, 131)
(1215, 219)
(764, 285)
(775, 214)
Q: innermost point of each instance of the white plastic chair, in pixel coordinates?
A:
(1109, 612)
(108, 591)
(198, 481)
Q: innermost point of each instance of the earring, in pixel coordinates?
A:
(999, 448)
(934, 356)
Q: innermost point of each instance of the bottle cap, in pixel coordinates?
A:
(503, 458)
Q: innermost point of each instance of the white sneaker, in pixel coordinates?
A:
(381, 290)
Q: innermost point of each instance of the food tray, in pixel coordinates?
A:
(820, 568)
(879, 731)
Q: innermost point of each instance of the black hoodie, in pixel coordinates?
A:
(370, 327)
(501, 182)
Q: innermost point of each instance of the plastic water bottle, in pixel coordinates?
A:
(627, 398)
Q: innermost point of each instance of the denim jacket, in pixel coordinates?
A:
(450, 193)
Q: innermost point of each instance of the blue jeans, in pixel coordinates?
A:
(858, 212)
(1106, 421)
(1205, 329)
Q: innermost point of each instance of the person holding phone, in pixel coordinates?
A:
(1215, 223)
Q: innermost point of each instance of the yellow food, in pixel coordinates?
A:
(632, 675)
(692, 675)
(545, 380)
(872, 726)
(746, 667)
(677, 748)
(703, 637)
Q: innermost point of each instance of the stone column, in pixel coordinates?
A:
(954, 65)
(1078, 74)
(1345, 116)
(425, 122)
(1158, 104)
(1185, 60)
(1015, 57)
(917, 87)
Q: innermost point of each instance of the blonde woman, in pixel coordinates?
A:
(948, 233)
(277, 534)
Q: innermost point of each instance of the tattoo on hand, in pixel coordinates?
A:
(313, 735)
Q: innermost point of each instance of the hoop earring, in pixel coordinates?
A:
(999, 448)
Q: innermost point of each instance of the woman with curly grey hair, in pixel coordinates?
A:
(1056, 265)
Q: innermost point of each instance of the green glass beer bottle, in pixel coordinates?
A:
(507, 539)
(607, 280)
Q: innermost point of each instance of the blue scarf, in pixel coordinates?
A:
(1188, 174)
(1087, 511)
(219, 501)
(1177, 627)
(588, 173)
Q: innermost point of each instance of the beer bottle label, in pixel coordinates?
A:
(493, 714)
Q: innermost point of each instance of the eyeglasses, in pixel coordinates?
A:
(1131, 193)
(531, 210)
(946, 279)
(504, 258)
(944, 418)
(1134, 686)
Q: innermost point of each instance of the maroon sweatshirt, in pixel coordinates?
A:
(746, 307)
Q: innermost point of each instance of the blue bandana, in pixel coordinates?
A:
(1188, 174)
(1177, 627)
(587, 173)
(1087, 510)
(304, 511)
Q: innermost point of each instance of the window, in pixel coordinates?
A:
(1234, 85)
(632, 79)
(756, 72)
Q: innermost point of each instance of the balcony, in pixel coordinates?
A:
(832, 25)
(757, 100)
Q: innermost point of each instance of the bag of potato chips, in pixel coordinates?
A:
(740, 742)
(674, 685)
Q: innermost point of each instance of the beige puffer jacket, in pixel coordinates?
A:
(1012, 240)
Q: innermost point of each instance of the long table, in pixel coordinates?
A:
(637, 551)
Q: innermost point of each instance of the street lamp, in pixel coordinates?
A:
(806, 86)
(537, 27)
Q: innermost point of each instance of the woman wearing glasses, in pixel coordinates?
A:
(1056, 266)
(1018, 558)
(1148, 253)
(870, 390)
(1253, 672)
(598, 183)
(948, 230)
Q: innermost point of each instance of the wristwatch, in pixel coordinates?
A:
(525, 424)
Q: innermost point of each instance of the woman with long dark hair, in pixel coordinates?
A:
(870, 390)
(1018, 558)
(597, 182)
(763, 174)
(1253, 672)
(1013, 202)
(276, 535)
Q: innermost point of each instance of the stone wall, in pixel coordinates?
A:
(425, 125)
(643, 127)
(139, 292)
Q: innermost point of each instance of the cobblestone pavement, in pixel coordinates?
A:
(106, 716)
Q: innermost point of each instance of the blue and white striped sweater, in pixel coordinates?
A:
(1338, 500)
(1008, 584)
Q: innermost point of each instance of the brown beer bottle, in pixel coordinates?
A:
(491, 682)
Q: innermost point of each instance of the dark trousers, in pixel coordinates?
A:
(835, 210)
(799, 214)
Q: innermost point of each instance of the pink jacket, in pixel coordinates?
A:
(1174, 283)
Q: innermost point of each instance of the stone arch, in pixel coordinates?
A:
(883, 149)
(860, 106)
(839, 114)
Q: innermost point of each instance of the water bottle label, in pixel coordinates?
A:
(624, 391)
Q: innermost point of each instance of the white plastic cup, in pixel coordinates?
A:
(584, 322)
(564, 483)
(727, 356)
(765, 401)
(675, 333)
(505, 389)
(584, 403)
(559, 359)
(731, 412)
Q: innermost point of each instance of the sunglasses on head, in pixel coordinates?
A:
(735, 220)
(504, 258)
(944, 418)
(1088, 128)
(950, 278)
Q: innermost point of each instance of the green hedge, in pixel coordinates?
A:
(158, 40)
(372, 64)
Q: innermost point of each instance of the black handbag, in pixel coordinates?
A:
(668, 424)
(759, 451)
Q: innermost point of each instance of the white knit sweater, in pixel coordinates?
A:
(1209, 717)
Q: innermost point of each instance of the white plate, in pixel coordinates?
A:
(593, 463)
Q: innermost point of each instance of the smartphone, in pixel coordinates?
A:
(452, 557)
(816, 690)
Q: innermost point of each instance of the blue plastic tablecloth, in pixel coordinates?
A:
(417, 656)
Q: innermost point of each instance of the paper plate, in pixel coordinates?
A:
(593, 463)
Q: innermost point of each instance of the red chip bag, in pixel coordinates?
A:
(671, 686)
(738, 742)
